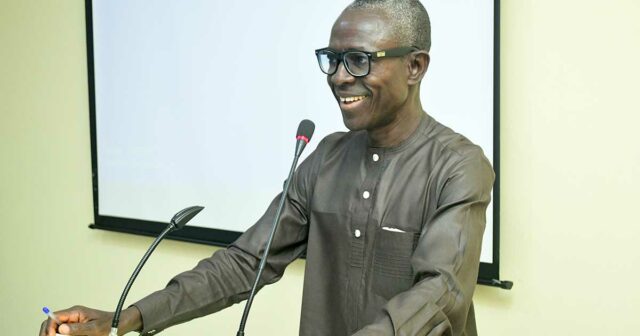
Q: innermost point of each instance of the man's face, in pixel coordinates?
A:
(377, 99)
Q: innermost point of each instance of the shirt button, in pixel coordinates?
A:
(376, 157)
(366, 195)
(357, 233)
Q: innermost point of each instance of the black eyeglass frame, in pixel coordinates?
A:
(371, 55)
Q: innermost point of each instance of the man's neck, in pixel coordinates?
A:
(399, 130)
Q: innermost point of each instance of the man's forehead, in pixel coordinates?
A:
(353, 18)
(359, 28)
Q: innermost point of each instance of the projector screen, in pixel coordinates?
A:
(196, 102)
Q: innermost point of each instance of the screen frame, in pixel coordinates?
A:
(488, 273)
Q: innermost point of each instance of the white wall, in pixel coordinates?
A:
(570, 182)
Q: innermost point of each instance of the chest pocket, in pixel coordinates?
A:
(392, 271)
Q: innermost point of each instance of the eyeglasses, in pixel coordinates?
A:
(357, 62)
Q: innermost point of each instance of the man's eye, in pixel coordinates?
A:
(361, 60)
(357, 60)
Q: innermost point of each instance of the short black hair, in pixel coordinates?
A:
(411, 21)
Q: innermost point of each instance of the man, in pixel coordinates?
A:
(391, 214)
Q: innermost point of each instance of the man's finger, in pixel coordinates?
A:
(88, 328)
(48, 328)
(74, 314)
(43, 327)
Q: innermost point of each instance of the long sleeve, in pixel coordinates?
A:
(227, 276)
(445, 261)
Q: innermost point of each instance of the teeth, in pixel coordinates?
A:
(351, 99)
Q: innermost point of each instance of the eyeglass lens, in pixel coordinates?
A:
(356, 62)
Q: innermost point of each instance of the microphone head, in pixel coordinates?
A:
(183, 216)
(305, 130)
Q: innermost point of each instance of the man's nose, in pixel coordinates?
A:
(342, 76)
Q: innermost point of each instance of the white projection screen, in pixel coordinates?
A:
(196, 102)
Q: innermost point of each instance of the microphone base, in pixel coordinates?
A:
(114, 332)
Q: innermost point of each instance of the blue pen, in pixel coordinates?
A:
(50, 314)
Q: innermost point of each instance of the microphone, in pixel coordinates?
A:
(303, 136)
(178, 221)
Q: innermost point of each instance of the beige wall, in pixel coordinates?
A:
(570, 185)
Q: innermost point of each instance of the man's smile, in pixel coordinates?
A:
(351, 103)
(351, 99)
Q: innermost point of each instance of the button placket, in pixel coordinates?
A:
(361, 233)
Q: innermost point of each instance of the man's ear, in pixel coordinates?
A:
(418, 65)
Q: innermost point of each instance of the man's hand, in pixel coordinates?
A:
(79, 320)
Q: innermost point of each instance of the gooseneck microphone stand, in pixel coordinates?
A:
(178, 221)
(305, 131)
